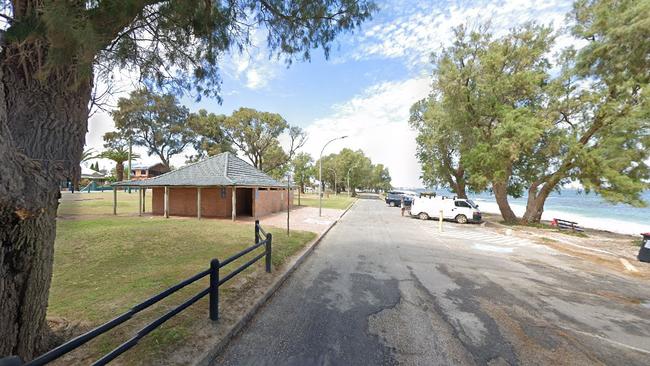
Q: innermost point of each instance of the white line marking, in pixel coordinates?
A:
(628, 266)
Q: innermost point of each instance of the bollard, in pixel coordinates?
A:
(214, 289)
(440, 222)
(269, 239)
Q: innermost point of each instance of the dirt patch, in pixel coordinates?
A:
(597, 246)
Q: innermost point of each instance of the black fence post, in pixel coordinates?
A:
(257, 231)
(214, 289)
(269, 239)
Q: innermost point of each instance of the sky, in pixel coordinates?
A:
(366, 87)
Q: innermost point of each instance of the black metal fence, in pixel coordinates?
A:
(213, 290)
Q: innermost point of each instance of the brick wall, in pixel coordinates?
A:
(269, 201)
(182, 201)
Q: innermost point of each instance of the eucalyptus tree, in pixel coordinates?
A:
(52, 51)
(256, 134)
(210, 136)
(381, 180)
(303, 169)
(155, 121)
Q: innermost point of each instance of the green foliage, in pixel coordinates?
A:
(501, 118)
(356, 167)
(256, 134)
(116, 149)
(616, 106)
(302, 166)
(211, 139)
(618, 35)
(507, 98)
(175, 45)
(154, 121)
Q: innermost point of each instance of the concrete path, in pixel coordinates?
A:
(382, 289)
(301, 218)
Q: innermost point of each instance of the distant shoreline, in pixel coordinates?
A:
(597, 223)
(589, 210)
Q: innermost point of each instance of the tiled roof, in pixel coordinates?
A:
(225, 169)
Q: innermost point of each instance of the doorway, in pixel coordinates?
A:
(244, 201)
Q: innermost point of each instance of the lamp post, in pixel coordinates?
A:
(320, 175)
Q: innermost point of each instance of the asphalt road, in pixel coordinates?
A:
(382, 289)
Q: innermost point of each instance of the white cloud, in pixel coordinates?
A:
(419, 30)
(252, 66)
(376, 122)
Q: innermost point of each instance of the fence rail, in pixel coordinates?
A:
(212, 291)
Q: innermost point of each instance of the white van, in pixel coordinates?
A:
(460, 210)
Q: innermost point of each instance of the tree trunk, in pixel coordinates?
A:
(42, 128)
(119, 171)
(537, 199)
(501, 195)
(459, 186)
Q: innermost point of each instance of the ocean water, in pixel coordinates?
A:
(588, 210)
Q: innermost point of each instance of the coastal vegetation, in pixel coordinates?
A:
(513, 115)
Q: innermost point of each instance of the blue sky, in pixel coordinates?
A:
(367, 86)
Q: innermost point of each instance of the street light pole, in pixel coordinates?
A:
(320, 175)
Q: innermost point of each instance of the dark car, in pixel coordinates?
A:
(394, 198)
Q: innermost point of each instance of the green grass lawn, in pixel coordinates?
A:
(341, 201)
(105, 264)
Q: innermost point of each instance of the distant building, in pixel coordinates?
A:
(139, 172)
(220, 186)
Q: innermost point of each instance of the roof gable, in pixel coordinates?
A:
(225, 169)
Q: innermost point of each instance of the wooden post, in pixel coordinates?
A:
(198, 202)
(254, 202)
(144, 199)
(114, 200)
(140, 202)
(166, 200)
(234, 203)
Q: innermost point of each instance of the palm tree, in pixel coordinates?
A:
(87, 155)
(119, 155)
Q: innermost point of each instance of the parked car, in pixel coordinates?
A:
(394, 198)
(460, 210)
